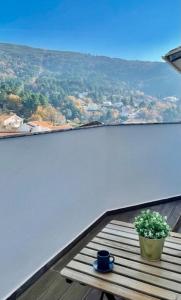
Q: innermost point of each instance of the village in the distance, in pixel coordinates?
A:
(150, 110)
(42, 91)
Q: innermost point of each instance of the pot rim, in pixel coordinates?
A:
(146, 238)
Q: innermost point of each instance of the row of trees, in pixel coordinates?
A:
(35, 105)
(49, 100)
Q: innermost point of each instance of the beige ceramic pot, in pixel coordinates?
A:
(151, 249)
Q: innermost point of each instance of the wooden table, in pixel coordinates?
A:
(132, 277)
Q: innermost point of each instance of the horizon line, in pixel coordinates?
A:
(77, 52)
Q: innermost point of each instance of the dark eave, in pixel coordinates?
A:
(173, 57)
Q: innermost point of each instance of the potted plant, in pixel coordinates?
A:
(152, 229)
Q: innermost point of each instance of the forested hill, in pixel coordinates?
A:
(61, 86)
(32, 65)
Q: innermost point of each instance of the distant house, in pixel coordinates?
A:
(10, 122)
(107, 103)
(171, 99)
(118, 104)
(39, 126)
(42, 126)
(24, 128)
(92, 107)
(83, 95)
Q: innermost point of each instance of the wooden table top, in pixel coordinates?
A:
(132, 277)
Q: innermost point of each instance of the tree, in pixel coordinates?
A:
(13, 103)
(142, 104)
(68, 106)
(131, 101)
(30, 103)
(3, 100)
(43, 100)
(170, 115)
(50, 114)
(150, 105)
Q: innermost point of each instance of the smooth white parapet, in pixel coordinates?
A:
(53, 186)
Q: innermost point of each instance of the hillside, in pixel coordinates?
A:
(73, 84)
(155, 78)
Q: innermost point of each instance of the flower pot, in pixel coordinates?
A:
(151, 249)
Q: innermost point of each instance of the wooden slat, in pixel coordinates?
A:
(125, 281)
(132, 249)
(102, 240)
(134, 236)
(49, 286)
(135, 274)
(135, 257)
(130, 225)
(135, 243)
(132, 230)
(105, 286)
(138, 266)
(125, 224)
(132, 275)
(176, 235)
(177, 224)
(74, 292)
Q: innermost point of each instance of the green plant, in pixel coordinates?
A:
(152, 225)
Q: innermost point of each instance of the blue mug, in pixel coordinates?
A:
(104, 258)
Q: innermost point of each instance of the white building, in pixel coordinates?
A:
(92, 107)
(25, 128)
(107, 103)
(10, 122)
(36, 126)
(171, 99)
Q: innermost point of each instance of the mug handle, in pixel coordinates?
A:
(112, 259)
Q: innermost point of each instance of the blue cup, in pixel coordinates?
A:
(104, 259)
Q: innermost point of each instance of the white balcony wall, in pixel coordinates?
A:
(55, 185)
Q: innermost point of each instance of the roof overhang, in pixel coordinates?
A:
(173, 57)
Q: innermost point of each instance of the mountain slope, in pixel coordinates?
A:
(60, 87)
(30, 64)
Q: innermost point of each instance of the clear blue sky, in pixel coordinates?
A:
(132, 29)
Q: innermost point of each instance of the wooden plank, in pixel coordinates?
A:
(76, 291)
(125, 281)
(176, 235)
(130, 225)
(177, 224)
(55, 290)
(135, 257)
(49, 286)
(125, 224)
(132, 249)
(122, 240)
(120, 227)
(105, 285)
(137, 266)
(135, 274)
(132, 230)
(135, 243)
(102, 240)
(131, 234)
(134, 236)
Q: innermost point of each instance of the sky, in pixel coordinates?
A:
(130, 29)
